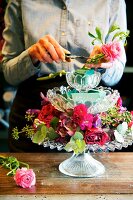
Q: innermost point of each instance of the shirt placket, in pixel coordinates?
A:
(63, 27)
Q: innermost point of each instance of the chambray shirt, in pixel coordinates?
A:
(68, 21)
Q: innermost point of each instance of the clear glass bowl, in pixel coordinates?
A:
(83, 82)
(66, 98)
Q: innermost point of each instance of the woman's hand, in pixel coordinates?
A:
(102, 63)
(105, 65)
(47, 50)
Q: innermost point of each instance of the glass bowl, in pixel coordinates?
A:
(83, 82)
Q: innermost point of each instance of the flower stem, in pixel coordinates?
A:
(24, 164)
(50, 76)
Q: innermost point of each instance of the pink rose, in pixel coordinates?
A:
(111, 51)
(25, 177)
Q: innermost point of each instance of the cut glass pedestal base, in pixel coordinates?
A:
(82, 165)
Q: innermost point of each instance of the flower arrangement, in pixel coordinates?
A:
(75, 128)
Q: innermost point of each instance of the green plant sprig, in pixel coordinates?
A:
(114, 117)
(12, 164)
(52, 75)
(121, 35)
(95, 59)
(28, 130)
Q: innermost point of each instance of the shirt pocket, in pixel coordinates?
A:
(82, 27)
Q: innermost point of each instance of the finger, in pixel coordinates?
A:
(93, 65)
(43, 53)
(50, 49)
(106, 65)
(58, 48)
(34, 54)
(67, 52)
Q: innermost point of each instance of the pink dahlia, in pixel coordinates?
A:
(111, 50)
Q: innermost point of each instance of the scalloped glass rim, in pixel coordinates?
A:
(61, 103)
(109, 146)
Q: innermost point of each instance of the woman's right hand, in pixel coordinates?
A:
(47, 50)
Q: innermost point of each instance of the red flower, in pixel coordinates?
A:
(119, 102)
(96, 136)
(82, 117)
(66, 126)
(47, 113)
(130, 124)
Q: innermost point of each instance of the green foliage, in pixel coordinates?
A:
(54, 122)
(50, 76)
(44, 133)
(29, 117)
(51, 134)
(76, 144)
(12, 164)
(28, 130)
(95, 58)
(98, 36)
(121, 35)
(113, 117)
(40, 134)
(113, 28)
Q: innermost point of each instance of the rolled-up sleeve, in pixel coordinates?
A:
(17, 65)
(117, 15)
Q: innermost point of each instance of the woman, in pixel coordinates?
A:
(38, 34)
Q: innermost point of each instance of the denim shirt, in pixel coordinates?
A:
(69, 22)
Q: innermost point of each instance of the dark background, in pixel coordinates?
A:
(125, 85)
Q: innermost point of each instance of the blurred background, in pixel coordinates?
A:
(7, 91)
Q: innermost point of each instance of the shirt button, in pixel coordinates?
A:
(89, 23)
(63, 33)
(64, 7)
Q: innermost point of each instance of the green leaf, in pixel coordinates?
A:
(122, 35)
(40, 135)
(51, 134)
(99, 34)
(12, 164)
(78, 146)
(113, 28)
(54, 122)
(80, 71)
(77, 135)
(93, 41)
(91, 35)
(70, 146)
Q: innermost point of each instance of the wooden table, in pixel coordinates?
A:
(115, 184)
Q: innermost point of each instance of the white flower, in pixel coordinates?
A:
(122, 128)
(131, 131)
(118, 137)
(120, 132)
